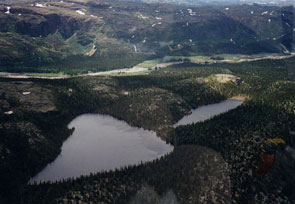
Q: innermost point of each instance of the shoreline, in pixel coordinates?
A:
(241, 98)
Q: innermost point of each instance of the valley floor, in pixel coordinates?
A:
(147, 66)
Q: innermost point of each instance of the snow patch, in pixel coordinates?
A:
(143, 17)
(264, 13)
(80, 12)
(8, 112)
(40, 5)
(191, 12)
(8, 10)
(26, 93)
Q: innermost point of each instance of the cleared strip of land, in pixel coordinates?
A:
(144, 68)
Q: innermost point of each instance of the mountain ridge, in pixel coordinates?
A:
(59, 35)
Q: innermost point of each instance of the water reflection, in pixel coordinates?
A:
(206, 112)
(102, 143)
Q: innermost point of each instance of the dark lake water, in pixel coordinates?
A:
(206, 112)
(102, 143)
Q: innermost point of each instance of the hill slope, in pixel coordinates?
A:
(77, 36)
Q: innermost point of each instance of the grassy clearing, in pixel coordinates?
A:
(232, 57)
(131, 73)
(149, 63)
(116, 74)
(60, 74)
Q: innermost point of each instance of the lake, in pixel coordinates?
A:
(208, 111)
(101, 143)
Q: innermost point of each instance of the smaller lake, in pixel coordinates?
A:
(101, 143)
(208, 111)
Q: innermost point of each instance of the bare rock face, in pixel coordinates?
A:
(224, 78)
(50, 24)
(26, 96)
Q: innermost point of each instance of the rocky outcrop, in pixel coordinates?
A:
(41, 26)
(26, 96)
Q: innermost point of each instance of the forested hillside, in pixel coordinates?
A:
(156, 101)
(81, 36)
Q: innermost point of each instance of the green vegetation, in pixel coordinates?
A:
(60, 74)
(213, 161)
(113, 35)
(174, 172)
(156, 101)
(149, 63)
